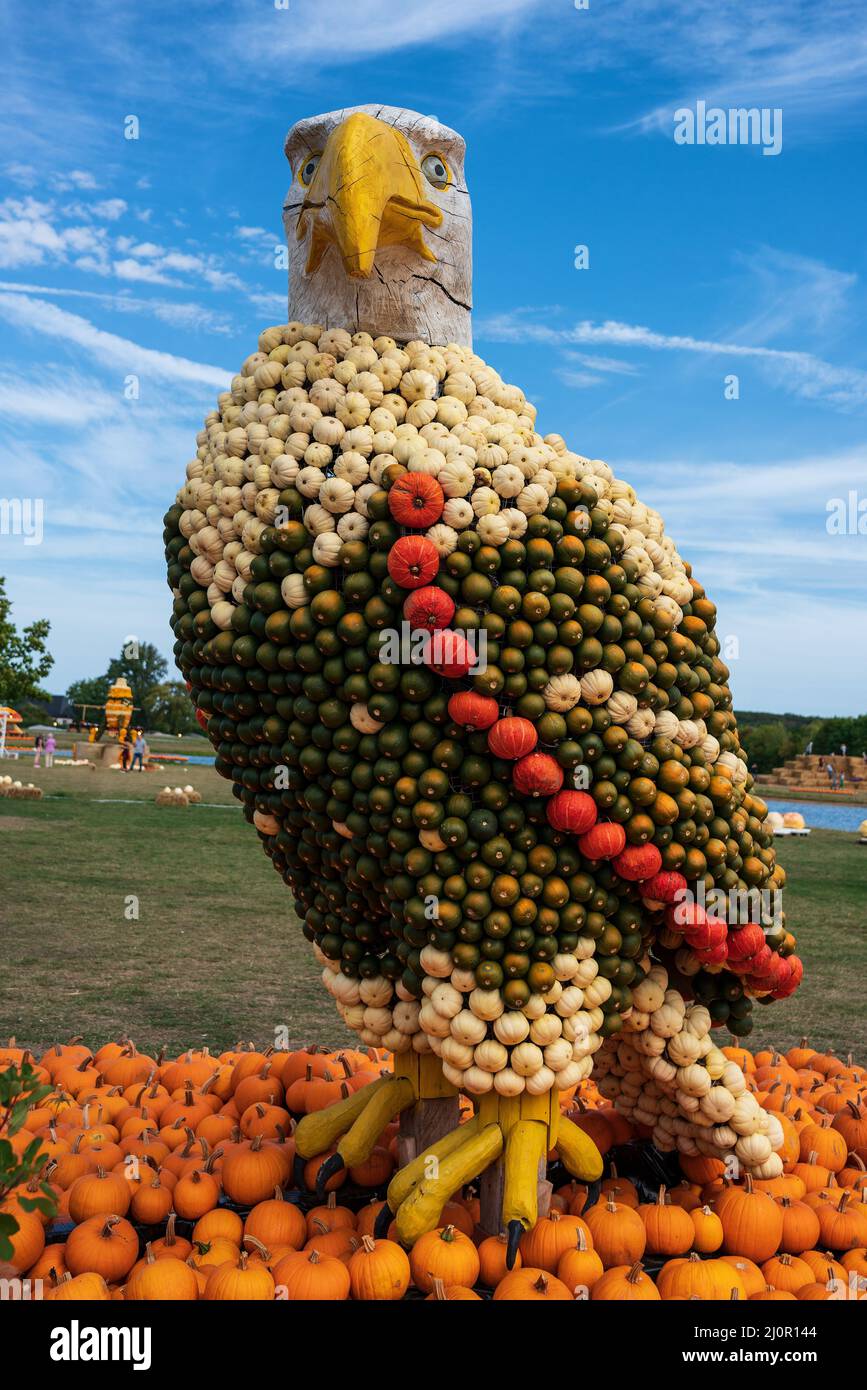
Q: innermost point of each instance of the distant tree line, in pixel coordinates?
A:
(771, 739)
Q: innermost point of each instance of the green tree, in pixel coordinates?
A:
(90, 691)
(20, 1087)
(24, 657)
(171, 709)
(852, 731)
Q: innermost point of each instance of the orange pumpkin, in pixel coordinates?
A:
(492, 1260)
(543, 1245)
(708, 1280)
(243, 1280)
(157, 1281)
(787, 1272)
(528, 1285)
(309, 1277)
(580, 1267)
(747, 1271)
(451, 1293)
(851, 1124)
(752, 1222)
(106, 1245)
(625, 1284)
(28, 1241)
(99, 1194)
(707, 1230)
(828, 1145)
(250, 1173)
(842, 1224)
(379, 1271)
(220, 1223)
(669, 1229)
(618, 1233)
(277, 1222)
(445, 1254)
(84, 1288)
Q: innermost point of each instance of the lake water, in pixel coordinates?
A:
(823, 815)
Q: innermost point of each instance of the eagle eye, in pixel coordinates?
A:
(436, 171)
(308, 170)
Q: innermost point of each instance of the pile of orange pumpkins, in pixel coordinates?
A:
(175, 1180)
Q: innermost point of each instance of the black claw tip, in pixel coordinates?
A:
(332, 1165)
(514, 1233)
(382, 1223)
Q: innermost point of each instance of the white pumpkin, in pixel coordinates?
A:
(511, 1028)
(491, 1055)
(468, 1029)
(476, 1081)
(486, 1004)
(718, 1105)
(434, 962)
(596, 686)
(527, 1058)
(457, 1054)
(508, 1083)
(562, 692)
(361, 719)
(447, 1001)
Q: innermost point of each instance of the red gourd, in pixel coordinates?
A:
(570, 810)
(416, 499)
(538, 774)
(413, 561)
(512, 738)
(603, 841)
(663, 887)
(638, 862)
(473, 711)
(429, 608)
(448, 653)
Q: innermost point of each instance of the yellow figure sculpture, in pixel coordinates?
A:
(118, 709)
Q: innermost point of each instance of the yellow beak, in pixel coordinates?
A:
(368, 191)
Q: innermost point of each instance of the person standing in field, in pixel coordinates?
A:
(50, 745)
(38, 748)
(139, 749)
(124, 757)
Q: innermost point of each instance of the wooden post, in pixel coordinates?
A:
(436, 1112)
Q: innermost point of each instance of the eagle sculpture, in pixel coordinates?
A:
(470, 697)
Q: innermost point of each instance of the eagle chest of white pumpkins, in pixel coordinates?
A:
(497, 841)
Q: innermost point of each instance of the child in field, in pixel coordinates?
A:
(38, 748)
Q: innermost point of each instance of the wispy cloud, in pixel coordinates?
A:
(178, 313)
(792, 293)
(800, 372)
(804, 57)
(341, 33)
(38, 316)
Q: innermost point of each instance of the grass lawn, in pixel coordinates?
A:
(217, 953)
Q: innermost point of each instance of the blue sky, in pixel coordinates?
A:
(155, 258)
